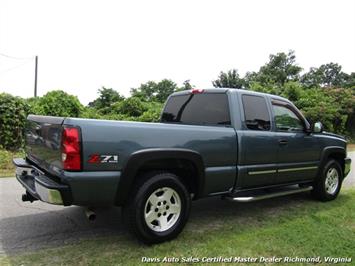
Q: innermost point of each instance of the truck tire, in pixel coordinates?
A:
(158, 207)
(328, 184)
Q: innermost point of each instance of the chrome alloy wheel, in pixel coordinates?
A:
(162, 209)
(332, 181)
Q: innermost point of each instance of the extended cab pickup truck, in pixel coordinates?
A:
(238, 144)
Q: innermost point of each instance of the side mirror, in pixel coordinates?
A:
(317, 127)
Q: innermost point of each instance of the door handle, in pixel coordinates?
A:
(283, 142)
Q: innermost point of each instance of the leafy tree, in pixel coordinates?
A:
(13, 112)
(327, 75)
(187, 85)
(344, 99)
(292, 90)
(350, 81)
(280, 69)
(152, 91)
(107, 96)
(316, 105)
(230, 79)
(57, 103)
(164, 89)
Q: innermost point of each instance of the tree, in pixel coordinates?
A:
(152, 91)
(107, 97)
(327, 75)
(280, 69)
(316, 105)
(350, 81)
(231, 79)
(187, 85)
(164, 89)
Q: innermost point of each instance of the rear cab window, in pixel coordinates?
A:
(256, 113)
(198, 109)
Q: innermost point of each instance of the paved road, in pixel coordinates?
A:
(25, 226)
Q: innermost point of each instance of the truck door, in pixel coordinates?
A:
(298, 151)
(258, 143)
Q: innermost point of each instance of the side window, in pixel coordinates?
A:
(198, 109)
(286, 119)
(256, 114)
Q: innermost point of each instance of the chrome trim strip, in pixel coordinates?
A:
(281, 170)
(297, 169)
(261, 172)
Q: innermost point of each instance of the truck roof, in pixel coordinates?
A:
(233, 90)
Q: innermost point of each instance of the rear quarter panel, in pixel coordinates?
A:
(217, 145)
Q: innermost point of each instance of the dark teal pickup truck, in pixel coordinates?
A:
(237, 144)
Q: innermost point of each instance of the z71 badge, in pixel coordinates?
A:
(97, 158)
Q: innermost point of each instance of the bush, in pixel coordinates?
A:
(13, 112)
(56, 103)
(6, 166)
(132, 106)
(153, 112)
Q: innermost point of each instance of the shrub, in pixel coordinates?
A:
(153, 112)
(132, 106)
(57, 103)
(13, 112)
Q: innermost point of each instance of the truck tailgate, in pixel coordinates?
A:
(43, 141)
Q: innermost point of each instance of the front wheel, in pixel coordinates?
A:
(158, 209)
(328, 185)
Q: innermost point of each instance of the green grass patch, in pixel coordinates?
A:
(284, 227)
(6, 166)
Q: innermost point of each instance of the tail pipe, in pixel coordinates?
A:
(90, 214)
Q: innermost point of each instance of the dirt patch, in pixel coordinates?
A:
(351, 147)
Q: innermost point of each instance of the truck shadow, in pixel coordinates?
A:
(69, 225)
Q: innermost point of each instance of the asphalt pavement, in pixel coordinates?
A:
(28, 226)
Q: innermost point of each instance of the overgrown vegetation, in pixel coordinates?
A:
(324, 93)
(6, 166)
(13, 111)
(294, 226)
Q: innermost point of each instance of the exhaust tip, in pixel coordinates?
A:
(90, 214)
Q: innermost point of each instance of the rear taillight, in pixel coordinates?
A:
(71, 149)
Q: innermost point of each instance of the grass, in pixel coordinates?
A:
(6, 166)
(299, 227)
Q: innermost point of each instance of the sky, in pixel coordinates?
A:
(83, 45)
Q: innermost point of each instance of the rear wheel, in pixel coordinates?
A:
(158, 209)
(328, 185)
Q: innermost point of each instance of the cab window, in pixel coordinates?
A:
(286, 119)
(256, 113)
(198, 109)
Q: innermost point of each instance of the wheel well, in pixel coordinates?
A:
(339, 157)
(184, 169)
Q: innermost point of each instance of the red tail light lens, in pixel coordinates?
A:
(71, 149)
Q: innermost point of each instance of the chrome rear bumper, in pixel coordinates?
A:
(39, 185)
